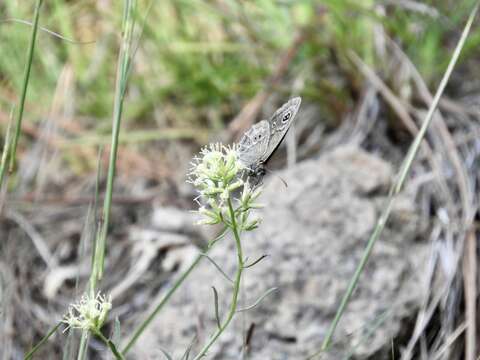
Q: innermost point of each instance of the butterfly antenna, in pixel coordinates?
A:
(278, 176)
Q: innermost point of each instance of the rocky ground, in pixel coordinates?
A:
(314, 232)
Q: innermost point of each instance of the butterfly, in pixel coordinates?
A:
(260, 141)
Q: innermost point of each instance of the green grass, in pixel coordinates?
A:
(197, 57)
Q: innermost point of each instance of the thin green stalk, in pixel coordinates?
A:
(41, 342)
(7, 146)
(162, 303)
(236, 286)
(120, 89)
(82, 349)
(139, 331)
(110, 345)
(397, 186)
(85, 333)
(26, 77)
(124, 59)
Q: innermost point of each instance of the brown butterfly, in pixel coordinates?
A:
(260, 141)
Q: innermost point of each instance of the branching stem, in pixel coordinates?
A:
(236, 285)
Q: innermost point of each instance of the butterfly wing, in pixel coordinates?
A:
(254, 144)
(279, 124)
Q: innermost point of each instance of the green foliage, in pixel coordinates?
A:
(199, 55)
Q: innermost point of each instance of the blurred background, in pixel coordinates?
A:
(205, 71)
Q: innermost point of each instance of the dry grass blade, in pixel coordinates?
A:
(453, 337)
(470, 284)
(50, 32)
(403, 114)
(398, 185)
(467, 210)
(37, 239)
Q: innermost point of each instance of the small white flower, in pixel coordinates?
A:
(217, 173)
(89, 313)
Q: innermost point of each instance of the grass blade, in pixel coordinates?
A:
(165, 352)
(124, 61)
(43, 341)
(26, 78)
(98, 255)
(7, 146)
(397, 186)
(186, 355)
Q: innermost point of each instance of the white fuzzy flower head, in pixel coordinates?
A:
(215, 173)
(215, 169)
(89, 313)
(218, 175)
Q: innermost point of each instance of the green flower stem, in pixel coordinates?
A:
(110, 345)
(82, 348)
(162, 303)
(236, 286)
(124, 63)
(139, 331)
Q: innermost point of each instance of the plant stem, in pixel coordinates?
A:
(82, 348)
(398, 185)
(120, 89)
(138, 332)
(26, 78)
(41, 342)
(236, 285)
(7, 146)
(110, 345)
(124, 59)
(162, 303)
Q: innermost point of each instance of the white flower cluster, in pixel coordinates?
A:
(89, 313)
(217, 174)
